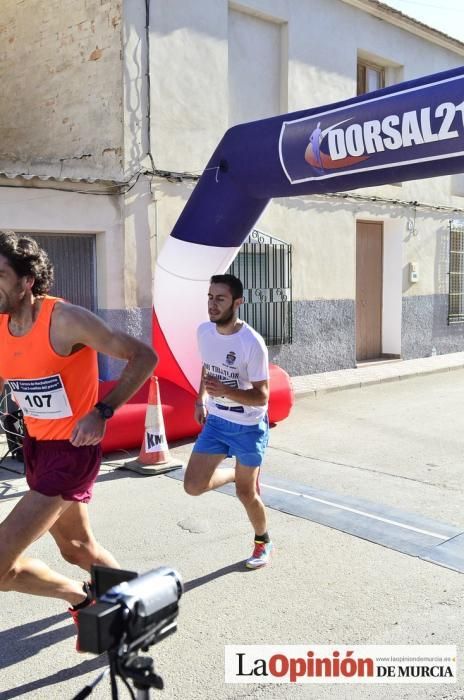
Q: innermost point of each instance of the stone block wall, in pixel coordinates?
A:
(62, 89)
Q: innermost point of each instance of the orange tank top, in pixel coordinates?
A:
(53, 391)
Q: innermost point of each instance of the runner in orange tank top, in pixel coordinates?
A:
(48, 354)
(53, 391)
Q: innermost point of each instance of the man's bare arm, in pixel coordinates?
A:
(202, 395)
(73, 326)
(257, 396)
(200, 405)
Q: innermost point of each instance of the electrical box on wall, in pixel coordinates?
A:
(413, 272)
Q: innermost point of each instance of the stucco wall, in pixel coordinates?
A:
(191, 72)
(61, 77)
(323, 338)
(49, 211)
(425, 327)
(188, 65)
(121, 226)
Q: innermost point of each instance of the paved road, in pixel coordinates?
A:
(399, 444)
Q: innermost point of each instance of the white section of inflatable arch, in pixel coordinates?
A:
(180, 292)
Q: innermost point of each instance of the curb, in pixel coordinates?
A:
(314, 391)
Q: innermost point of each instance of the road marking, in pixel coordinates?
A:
(358, 512)
(423, 540)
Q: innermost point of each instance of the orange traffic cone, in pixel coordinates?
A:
(154, 457)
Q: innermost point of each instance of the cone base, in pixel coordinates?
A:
(152, 469)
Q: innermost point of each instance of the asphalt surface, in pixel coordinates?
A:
(399, 444)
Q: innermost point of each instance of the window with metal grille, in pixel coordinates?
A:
(74, 260)
(264, 264)
(456, 273)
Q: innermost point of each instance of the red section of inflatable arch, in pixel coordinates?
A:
(127, 427)
(281, 396)
(125, 431)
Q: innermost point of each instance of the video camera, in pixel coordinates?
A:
(130, 614)
(137, 612)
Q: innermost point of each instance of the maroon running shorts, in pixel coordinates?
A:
(57, 468)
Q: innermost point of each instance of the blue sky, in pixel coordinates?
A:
(445, 15)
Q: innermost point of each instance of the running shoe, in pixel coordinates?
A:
(261, 555)
(75, 613)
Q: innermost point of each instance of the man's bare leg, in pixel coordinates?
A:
(246, 488)
(202, 473)
(73, 535)
(32, 517)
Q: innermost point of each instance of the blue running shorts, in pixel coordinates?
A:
(245, 442)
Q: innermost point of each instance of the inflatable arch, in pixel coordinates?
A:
(411, 130)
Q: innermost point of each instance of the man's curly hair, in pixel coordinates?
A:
(27, 258)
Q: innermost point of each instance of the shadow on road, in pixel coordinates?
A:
(65, 674)
(18, 643)
(108, 472)
(24, 641)
(238, 567)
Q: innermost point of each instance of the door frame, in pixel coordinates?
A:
(380, 223)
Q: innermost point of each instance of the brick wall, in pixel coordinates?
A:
(61, 81)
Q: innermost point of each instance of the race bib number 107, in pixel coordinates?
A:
(41, 398)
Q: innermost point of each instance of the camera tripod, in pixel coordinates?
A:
(138, 669)
(127, 618)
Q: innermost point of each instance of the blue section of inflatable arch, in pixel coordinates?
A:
(412, 130)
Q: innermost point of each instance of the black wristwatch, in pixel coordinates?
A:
(104, 410)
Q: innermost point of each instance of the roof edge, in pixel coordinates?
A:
(399, 19)
(71, 184)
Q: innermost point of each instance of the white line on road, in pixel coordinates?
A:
(358, 512)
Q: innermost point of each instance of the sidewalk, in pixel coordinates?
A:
(374, 373)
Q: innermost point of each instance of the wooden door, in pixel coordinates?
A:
(369, 247)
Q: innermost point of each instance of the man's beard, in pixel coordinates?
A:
(11, 301)
(6, 306)
(226, 317)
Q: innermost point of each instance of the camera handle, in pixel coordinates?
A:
(138, 669)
